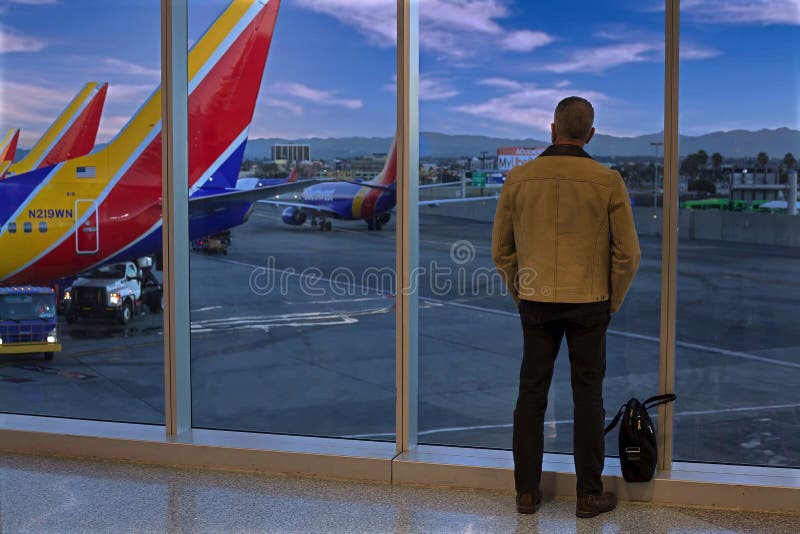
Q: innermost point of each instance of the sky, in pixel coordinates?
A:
(487, 67)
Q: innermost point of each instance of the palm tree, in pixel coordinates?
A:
(762, 159)
(789, 161)
(716, 163)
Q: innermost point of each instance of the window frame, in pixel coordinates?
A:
(177, 443)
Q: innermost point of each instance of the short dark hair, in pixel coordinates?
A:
(574, 118)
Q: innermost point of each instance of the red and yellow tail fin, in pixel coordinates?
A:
(388, 176)
(71, 135)
(8, 149)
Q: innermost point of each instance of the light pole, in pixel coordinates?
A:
(655, 179)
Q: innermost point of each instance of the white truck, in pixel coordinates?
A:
(117, 291)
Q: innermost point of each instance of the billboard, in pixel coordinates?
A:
(510, 157)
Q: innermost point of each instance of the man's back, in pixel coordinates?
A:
(565, 224)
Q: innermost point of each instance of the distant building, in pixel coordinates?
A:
(291, 152)
(367, 166)
(756, 184)
(510, 157)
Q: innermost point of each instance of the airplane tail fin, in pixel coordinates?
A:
(72, 134)
(293, 176)
(388, 176)
(8, 149)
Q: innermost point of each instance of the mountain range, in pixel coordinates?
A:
(731, 144)
(734, 144)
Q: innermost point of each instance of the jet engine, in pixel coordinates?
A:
(293, 216)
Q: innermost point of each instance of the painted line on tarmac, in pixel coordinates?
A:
(632, 335)
(653, 339)
(570, 421)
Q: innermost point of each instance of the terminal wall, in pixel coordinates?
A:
(734, 227)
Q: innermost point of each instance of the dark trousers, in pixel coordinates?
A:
(544, 325)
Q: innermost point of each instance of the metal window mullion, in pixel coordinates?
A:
(669, 240)
(407, 228)
(175, 214)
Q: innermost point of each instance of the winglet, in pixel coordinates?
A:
(72, 134)
(8, 149)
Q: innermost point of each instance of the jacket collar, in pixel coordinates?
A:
(565, 150)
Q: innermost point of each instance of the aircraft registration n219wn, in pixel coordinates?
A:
(106, 206)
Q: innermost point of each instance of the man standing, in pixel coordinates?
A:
(565, 244)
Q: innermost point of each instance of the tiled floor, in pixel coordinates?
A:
(55, 495)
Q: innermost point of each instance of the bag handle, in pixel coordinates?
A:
(658, 400)
(614, 421)
(649, 403)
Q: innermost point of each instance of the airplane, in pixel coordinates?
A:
(371, 201)
(8, 149)
(71, 135)
(105, 207)
(254, 183)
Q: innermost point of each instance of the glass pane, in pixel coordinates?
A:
(737, 356)
(80, 210)
(490, 82)
(292, 295)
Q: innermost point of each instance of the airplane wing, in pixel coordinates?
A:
(210, 199)
(443, 184)
(437, 202)
(367, 184)
(309, 208)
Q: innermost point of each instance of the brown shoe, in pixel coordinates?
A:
(526, 503)
(591, 505)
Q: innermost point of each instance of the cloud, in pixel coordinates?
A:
(448, 27)
(605, 57)
(110, 125)
(430, 88)
(502, 83)
(120, 66)
(744, 12)
(13, 41)
(291, 107)
(433, 89)
(524, 104)
(691, 51)
(525, 40)
(318, 96)
(602, 58)
(128, 93)
(30, 107)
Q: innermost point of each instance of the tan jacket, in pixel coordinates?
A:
(564, 232)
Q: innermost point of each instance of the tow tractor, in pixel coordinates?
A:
(116, 291)
(28, 321)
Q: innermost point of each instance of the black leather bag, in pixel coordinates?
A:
(638, 448)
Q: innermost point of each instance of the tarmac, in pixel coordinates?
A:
(293, 331)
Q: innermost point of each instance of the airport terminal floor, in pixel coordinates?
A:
(39, 494)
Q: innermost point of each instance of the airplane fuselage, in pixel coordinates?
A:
(75, 224)
(350, 201)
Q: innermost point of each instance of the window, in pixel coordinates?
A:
(737, 359)
(293, 325)
(489, 84)
(109, 366)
